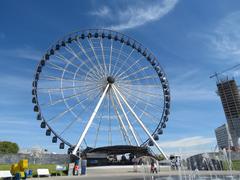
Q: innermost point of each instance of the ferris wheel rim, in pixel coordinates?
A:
(154, 64)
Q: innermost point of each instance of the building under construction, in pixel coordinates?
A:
(230, 98)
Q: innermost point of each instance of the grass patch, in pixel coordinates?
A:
(34, 167)
(235, 165)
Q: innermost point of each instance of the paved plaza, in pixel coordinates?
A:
(173, 175)
(127, 173)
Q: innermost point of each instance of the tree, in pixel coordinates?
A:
(7, 147)
(160, 157)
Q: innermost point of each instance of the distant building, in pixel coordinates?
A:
(211, 160)
(205, 161)
(222, 136)
(34, 150)
(230, 97)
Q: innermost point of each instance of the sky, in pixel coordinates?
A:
(192, 40)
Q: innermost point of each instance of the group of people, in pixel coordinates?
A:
(153, 168)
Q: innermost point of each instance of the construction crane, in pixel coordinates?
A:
(226, 70)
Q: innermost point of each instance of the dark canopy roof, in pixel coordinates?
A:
(120, 149)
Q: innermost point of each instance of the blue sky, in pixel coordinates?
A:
(192, 39)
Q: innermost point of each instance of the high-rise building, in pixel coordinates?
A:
(230, 97)
(222, 137)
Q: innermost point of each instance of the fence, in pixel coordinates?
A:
(35, 158)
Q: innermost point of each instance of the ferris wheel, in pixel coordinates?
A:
(99, 87)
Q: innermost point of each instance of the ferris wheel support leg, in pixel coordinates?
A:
(90, 121)
(139, 121)
(125, 115)
(123, 128)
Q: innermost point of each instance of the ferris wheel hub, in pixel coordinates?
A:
(110, 79)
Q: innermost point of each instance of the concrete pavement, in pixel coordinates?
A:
(142, 172)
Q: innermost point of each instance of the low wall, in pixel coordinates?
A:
(35, 159)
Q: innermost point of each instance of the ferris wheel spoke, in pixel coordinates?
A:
(90, 120)
(63, 96)
(53, 78)
(135, 72)
(99, 124)
(135, 104)
(119, 53)
(62, 57)
(77, 119)
(57, 67)
(124, 62)
(94, 70)
(89, 59)
(121, 124)
(109, 122)
(144, 96)
(74, 83)
(154, 95)
(126, 117)
(71, 51)
(128, 93)
(47, 90)
(110, 59)
(149, 94)
(138, 79)
(90, 78)
(98, 62)
(131, 66)
(103, 57)
(70, 108)
(91, 74)
(141, 86)
(74, 54)
(98, 129)
(153, 118)
(93, 90)
(78, 116)
(139, 121)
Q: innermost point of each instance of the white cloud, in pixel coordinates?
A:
(227, 37)
(15, 132)
(134, 16)
(26, 52)
(103, 11)
(15, 82)
(189, 93)
(223, 41)
(187, 142)
(14, 89)
(188, 86)
(15, 120)
(189, 146)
